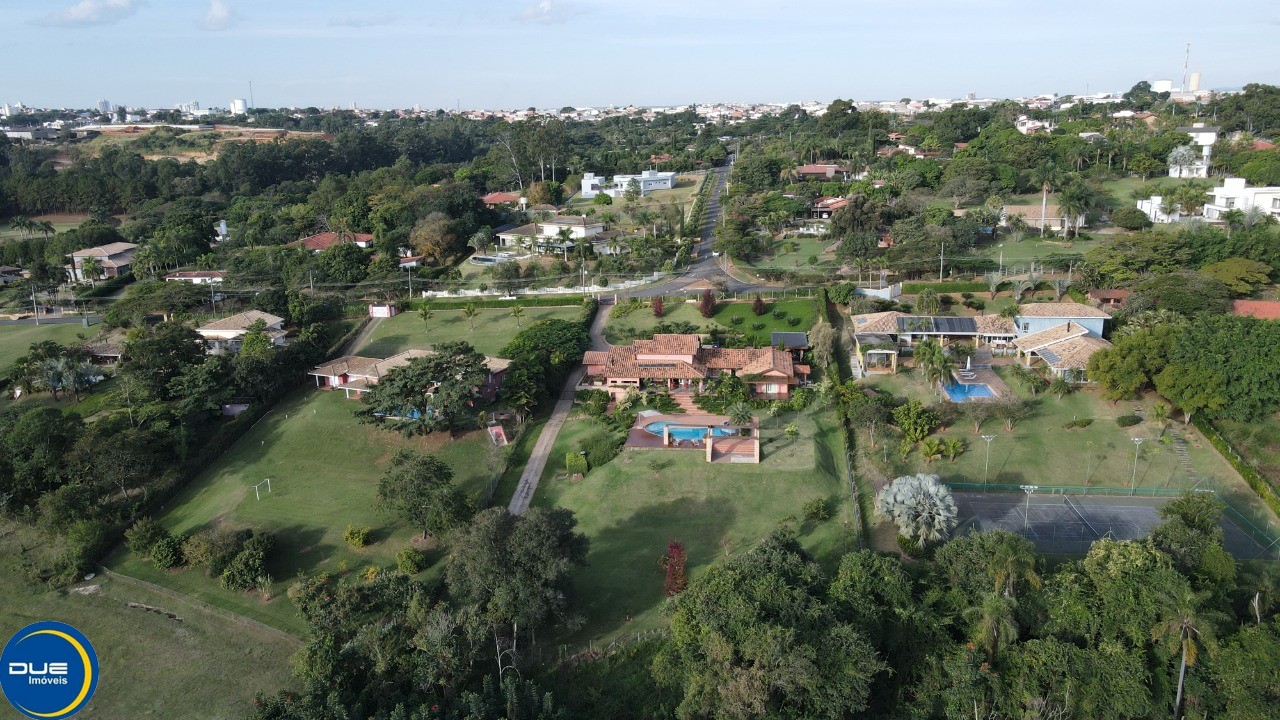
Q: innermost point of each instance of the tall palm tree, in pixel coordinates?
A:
(470, 313)
(1047, 177)
(517, 312)
(994, 625)
(1019, 287)
(1013, 562)
(1060, 286)
(1234, 218)
(565, 236)
(994, 279)
(45, 228)
(426, 313)
(58, 374)
(1182, 630)
(480, 240)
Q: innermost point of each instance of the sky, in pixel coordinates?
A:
(553, 53)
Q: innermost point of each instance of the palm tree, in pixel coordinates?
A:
(930, 449)
(952, 447)
(481, 240)
(90, 268)
(57, 373)
(1018, 287)
(1047, 177)
(994, 279)
(426, 313)
(82, 378)
(1182, 630)
(517, 312)
(1060, 387)
(1233, 218)
(565, 236)
(1266, 588)
(739, 414)
(45, 228)
(1181, 158)
(994, 625)
(1255, 215)
(470, 312)
(1013, 562)
(1060, 286)
(921, 507)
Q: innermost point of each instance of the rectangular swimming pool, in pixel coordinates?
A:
(965, 393)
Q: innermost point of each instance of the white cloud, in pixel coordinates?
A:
(545, 12)
(87, 13)
(220, 16)
(356, 21)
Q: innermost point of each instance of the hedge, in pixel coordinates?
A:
(943, 287)
(462, 303)
(1259, 484)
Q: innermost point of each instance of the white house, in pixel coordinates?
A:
(1202, 137)
(648, 181)
(1031, 126)
(114, 260)
(1235, 194)
(546, 233)
(225, 335)
(197, 277)
(1151, 206)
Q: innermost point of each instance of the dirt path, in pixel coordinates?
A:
(361, 337)
(547, 438)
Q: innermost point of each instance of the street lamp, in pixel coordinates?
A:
(1028, 489)
(1137, 443)
(986, 468)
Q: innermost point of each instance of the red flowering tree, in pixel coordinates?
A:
(657, 307)
(707, 303)
(677, 579)
(757, 305)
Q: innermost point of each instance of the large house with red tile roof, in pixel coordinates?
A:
(1260, 309)
(681, 363)
(825, 207)
(355, 375)
(823, 171)
(325, 240)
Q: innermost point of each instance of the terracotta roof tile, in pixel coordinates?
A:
(1051, 336)
(1261, 309)
(1060, 310)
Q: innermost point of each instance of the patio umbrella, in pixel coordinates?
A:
(968, 361)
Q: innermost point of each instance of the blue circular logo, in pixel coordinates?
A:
(48, 670)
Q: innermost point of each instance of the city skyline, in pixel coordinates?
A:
(596, 53)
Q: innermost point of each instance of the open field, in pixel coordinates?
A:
(61, 221)
(1033, 248)
(324, 471)
(641, 320)
(15, 340)
(633, 506)
(494, 329)
(211, 665)
(1039, 451)
(793, 253)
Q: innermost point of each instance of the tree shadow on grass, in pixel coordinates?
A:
(623, 577)
(298, 548)
(386, 346)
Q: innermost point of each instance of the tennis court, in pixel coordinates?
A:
(1068, 524)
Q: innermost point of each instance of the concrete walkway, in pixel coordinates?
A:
(547, 438)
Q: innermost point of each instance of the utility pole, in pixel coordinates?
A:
(311, 278)
(410, 282)
(941, 257)
(34, 307)
(1137, 443)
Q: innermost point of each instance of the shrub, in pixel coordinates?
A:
(757, 326)
(793, 321)
(167, 552)
(737, 320)
(411, 561)
(575, 463)
(1128, 420)
(370, 573)
(976, 304)
(600, 447)
(658, 307)
(143, 536)
(674, 563)
(356, 537)
(707, 303)
(214, 548)
(249, 565)
(757, 305)
(778, 314)
(910, 546)
(817, 510)
(1078, 423)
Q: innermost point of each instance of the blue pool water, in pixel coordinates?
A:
(964, 393)
(687, 433)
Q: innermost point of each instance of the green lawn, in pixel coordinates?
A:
(682, 194)
(211, 665)
(61, 222)
(1033, 248)
(631, 508)
(1258, 442)
(494, 328)
(792, 253)
(324, 470)
(641, 320)
(15, 340)
(1039, 451)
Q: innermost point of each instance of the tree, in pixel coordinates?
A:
(758, 306)
(418, 487)
(517, 312)
(657, 304)
(90, 269)
(977, 413)
(914, 420)
(345, 262)
(1011, 411)
(677, 579)
(1048, 177)
(1028, 378)
(927, 302)
(1130, 218)
(1185, 292)
(469, 312)
(256, 345)
(1060, 387)
(431, 392)
(159, 355)
(480, 240)
(994, 624)
(36, 444)
(1193, 389)
(707, 303)
(632, 192)
(1240, 275)
(1013, 563)
(739, 413)
(952, 448)
(1181, 158)
(792, 431)
(921, 507)
(1181, 631)
(426, 313)
(994, 280)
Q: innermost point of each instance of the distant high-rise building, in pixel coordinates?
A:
(105, 107)
(1162, 86)
(1194, 84)
(239, 106)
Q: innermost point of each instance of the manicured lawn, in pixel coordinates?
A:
(641, 320)
(784, 257)
(324, 471)
(494, 328)
(633, 506)
(1039, 451)
(1033, 248)
(61, 222)
(211, 665)
(682, 194)
(15, 340)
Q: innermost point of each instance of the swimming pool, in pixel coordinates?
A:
(965, 393)
(687, 433)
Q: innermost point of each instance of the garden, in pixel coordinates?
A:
(488, 331)
(635, 319)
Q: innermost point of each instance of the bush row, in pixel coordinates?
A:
(1259, 484)
(462, 303)
(916, 288)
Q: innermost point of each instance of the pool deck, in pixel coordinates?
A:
(638, 437)
(984, 376)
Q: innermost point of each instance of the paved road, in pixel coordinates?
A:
(547, 438)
